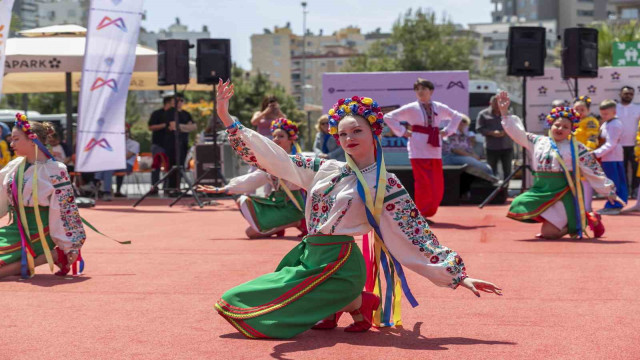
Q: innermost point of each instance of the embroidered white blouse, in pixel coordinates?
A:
(55, 192)
(334, 207)
(544, 159)
(252, 181)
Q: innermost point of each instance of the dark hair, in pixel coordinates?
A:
(166, 100)
(627, 87)
(42, 129)
(607, 104)
(268, 100)
(423, 82)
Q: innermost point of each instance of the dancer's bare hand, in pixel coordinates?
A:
(209, 189)
(476, 285)
(225, 92)
(613, 199)
(503, 103)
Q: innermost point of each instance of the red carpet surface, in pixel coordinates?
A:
(563, 299)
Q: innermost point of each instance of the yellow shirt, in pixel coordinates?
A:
(588, 131)
(4, 152)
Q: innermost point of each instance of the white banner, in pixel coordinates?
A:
(5, 23)
(109, 57)
(542, 90)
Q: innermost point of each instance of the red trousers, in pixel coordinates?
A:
(428, 185)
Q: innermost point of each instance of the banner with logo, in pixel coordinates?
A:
(392, 90)
(5, 23)
(109, 58)
(543, 90)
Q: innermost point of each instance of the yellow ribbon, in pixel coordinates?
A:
(290, 194)
(36, 209)
(375, 207)
(23, 215)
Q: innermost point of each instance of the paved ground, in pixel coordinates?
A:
(154, 299)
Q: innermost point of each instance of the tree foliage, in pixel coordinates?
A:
(608, 33)
(418, 42)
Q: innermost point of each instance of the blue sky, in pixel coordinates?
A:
(239, 19)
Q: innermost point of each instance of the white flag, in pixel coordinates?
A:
(5, 23)
(109, 58)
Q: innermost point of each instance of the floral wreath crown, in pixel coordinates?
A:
(23, 124)
(564, 112)
(583, 98)
(287, 125)
(363, 106)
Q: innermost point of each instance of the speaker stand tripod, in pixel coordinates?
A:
(217, 175)
(177, 169)
(524, 167)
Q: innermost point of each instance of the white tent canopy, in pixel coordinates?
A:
(56, 30)
(39, 63)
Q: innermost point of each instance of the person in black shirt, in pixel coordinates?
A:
(158, 123)
(187, 125)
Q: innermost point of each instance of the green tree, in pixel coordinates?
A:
(608, 33)
(418, 42)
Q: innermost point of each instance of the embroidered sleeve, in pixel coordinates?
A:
(592, 171)
(256, 150)
(65, 224)
(513, 127)
(248, 183)
(412, 243)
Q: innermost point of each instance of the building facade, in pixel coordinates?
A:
(60, 12)
(174, 31)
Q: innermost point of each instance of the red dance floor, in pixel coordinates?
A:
(565, 299)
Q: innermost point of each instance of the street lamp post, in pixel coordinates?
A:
(304, 54)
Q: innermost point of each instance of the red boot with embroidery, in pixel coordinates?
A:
(328, 324)
(595, 224)
(62, 263)
(370, 303)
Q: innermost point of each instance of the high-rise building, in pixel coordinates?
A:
(174, 31)
(58, 12)
(568, 13)
(27, 12)
(279, 54)
(626, 10)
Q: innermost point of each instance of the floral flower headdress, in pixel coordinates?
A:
(583, 98)
(564, 112)
(287, 125)
(23, 124)
(363, 106)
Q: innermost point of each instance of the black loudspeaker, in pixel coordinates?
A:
(214, 60)
(173, 62)
(580, 53)
(526, 51)
(205, 160)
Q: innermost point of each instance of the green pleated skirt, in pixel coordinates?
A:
(548, 188)
(10, 247)
(319, 277)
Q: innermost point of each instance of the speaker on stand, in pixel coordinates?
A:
(579, 55)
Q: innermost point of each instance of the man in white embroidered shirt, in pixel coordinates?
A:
(424, 118)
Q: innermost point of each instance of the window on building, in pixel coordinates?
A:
(588, 13)
(533, 2)
(339, 62)
(277, 52)
(295, 77)
(533, 15)
(323, 64)
(276, 41)
(586, 1)
(629, 14)
(71, 13)
(276, 63)
(276, 75)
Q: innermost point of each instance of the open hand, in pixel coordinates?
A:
(475, 286)
(225, 92)
(209, 189)
(503, 103)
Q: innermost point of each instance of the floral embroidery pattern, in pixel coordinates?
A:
(306, 162)
(243, 150)
(342, 214)
(415, 228)
(321, 206)
(69, 216)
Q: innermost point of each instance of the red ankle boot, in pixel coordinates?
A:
(595, 224)
(62, 263)
(280, 233)
(328, 324)
(370, 303)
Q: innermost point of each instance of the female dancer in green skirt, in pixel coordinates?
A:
(283, 207)
(325, 274)
(559, 161)
(35, 190)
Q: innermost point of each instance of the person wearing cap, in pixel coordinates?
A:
(158, 123)
(425, 117)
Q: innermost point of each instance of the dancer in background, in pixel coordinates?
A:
(424, 118)
(611, 155)
(37, 191)
(284, 207)
(555, 200)
(324, 275)
(587, 133)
